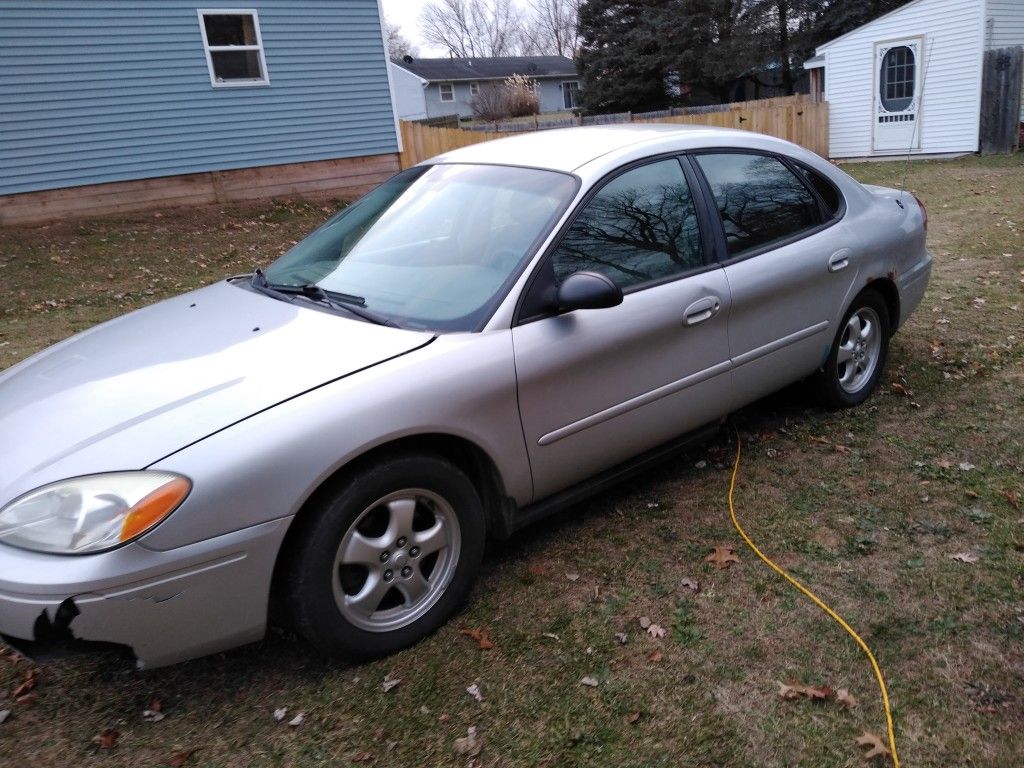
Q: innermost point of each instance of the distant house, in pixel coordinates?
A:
(438, 87)
(911, 81)
(113, 105)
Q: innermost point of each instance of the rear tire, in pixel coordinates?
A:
(858, 354)
(387, 558)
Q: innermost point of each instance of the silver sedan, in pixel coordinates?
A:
(481, 340)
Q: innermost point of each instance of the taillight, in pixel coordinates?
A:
(924, 213)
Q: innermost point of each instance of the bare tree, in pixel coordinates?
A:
(554, 26)
(471, 28)
(398, 44)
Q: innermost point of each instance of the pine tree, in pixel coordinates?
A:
(623, 51)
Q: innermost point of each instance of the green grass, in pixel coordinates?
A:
(871, 529)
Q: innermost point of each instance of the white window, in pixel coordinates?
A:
(474, 89)
(571, 94)
(234, 48)
(447, 91)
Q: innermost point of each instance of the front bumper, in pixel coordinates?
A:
(167, 606)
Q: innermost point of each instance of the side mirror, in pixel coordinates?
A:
(587, 290)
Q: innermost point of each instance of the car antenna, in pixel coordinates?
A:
(917, 122)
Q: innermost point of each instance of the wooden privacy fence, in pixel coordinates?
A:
(799, 119)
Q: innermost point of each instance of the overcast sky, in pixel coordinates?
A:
(406, 14)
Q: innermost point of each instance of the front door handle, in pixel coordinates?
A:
(839, 260)
(701, 310)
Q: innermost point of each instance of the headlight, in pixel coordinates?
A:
(90, 514)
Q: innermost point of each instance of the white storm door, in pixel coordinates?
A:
(897, 89)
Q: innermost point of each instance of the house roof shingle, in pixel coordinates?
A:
(498, 68)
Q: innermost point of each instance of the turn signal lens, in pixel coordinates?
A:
(154, 508)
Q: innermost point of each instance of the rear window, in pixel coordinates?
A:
(760, 200)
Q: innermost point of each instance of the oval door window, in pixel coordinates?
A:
(896, 86)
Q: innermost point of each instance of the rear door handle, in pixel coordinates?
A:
(839, 260)
(701, 310)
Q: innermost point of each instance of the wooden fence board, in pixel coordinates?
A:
(1000, 100)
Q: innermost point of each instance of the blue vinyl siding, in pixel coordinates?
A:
(96, 91)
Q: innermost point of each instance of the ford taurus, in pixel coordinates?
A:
(484, 338)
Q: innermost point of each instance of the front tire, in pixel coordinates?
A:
(387, 558)
(858, 354)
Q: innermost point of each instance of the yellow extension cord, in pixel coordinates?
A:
(818, 602)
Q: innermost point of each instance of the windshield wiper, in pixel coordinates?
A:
(346, 302)
(259, 282)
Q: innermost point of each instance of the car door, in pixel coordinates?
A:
(791, 266)
(599, 386)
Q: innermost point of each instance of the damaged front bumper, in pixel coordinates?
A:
(168, 606)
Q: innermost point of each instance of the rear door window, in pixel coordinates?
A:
(826, 189)
(760, 200)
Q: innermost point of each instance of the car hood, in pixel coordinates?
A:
(131, 391)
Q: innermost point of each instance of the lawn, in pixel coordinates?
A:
(867, 506)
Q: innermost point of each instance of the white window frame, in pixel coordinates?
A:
(567, 87)
(474, 89)
(451, 92)
(210, 49)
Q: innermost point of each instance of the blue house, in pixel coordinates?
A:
(114, 105)
(426, 88)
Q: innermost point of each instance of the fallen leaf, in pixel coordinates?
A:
(656, 631)
(622, 638)
(644, 622)
(178, 759)
(26, 699)
(965, 557)
(841, 448)
(899, 389)
(965, 466)
(280, 714)
(296, 721)
(797, 691)
(475, 692)
(633, 718)
(480, 635)
(655, 655)
(469, 745)
(551, 636)
(29, 683)
(1011, 497)
(572, 576)
(943, 464)
(722, 557)
(362, 756)
(690, 584)
(868, 739)
(390, 682)
(844, 697)
(106, 739)
(153, 713)
(590, 682)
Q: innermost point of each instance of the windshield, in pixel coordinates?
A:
(434, 247)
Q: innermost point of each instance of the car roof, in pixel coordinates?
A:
(567, 149)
